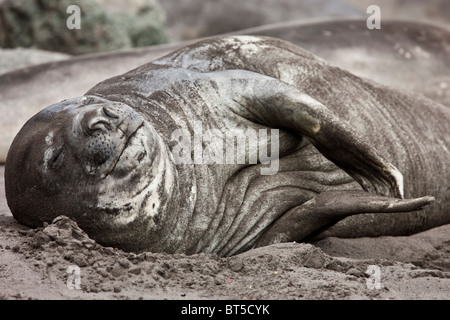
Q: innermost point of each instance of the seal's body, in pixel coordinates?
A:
(111, 159)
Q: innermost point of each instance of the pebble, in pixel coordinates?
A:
(149, 257)
(162, 273)
(40, 239)
(235, 264)
(80, 260)
(51, 231)
(61, 241)
(117, 271)
(315, 259)
(354, 272)
(135, 271)
(102, 272)
(108, 250)
(125, 263)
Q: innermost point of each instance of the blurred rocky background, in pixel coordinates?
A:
(191, 19)
(35, 31)
(105, 25)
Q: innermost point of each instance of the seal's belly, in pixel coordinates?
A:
(250, 202)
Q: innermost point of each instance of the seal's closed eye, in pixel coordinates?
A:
(109, 113)
(57, 160)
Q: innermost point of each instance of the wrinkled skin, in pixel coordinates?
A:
(355, 158)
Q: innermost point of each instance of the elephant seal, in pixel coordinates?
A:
(349, 153)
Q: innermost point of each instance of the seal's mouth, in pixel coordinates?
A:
(131, 142)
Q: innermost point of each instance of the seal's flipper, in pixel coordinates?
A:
(330, 207)
(274, 103)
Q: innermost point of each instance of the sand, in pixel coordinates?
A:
(59, 261)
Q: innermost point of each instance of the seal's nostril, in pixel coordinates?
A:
(109, 113)
(99, 124)
(97, 119)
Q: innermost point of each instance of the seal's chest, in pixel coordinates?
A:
(249, 202)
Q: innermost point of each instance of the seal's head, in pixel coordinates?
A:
(96, 161)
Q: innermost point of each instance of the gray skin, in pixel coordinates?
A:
(355, 158)
(380, 55)
(405, 55)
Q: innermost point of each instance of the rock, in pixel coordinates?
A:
(354, 272)
(89, 244)
(135, 271)
(102, 272)
(61, 241)
(42, 24)
(313, 257)
(150, 257)
(117, 271)
(124, 263)
(80, 260)
(235, 264)
(41, 238)
(144, 20)
(51, 231)
(162, 273)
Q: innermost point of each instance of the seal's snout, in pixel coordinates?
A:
(108, 119)
(99, 119)
(99, 125)
(103, 131)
